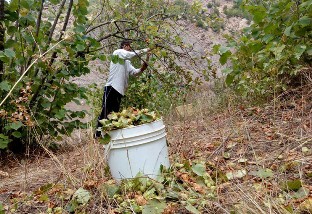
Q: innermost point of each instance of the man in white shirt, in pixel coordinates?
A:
(118, 78)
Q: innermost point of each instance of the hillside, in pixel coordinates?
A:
(228, 155)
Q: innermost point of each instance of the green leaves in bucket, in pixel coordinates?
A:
(129, 117)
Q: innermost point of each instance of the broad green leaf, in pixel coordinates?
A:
(229, 79)
(288, 30)
(163, 53)
(293, 185)
(43, 198)
(146, 118)
(114, 58)
(267, 38)
(278, 50)
(16, 125)
(5, 85)
(4, 143)
(258, 16)
(110, 189)
(103, 57)
(224, 57)
(82, 196)
(11, 30)
(80, 47)
(106, 139)
(154, 207)
(17, 134)
(216, 48)
(46, 105)
(80, 29)
(178, 40)
(223, 50)
(14, 4)
(309, 51)
(9, 53)
(23, 12)
(305, 21)
(55, 2)
(60, 114)
(299, 50)
(117, 124)
(262, 173)
(227, 70)
(192, 209)
(121, 61)
(301, 193)
(26, 4)
(306, 4)
(1, 209)
(199, 169)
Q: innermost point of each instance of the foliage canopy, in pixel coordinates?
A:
(272, 50)
(48, 43)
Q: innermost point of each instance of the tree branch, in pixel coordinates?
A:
(105, 23)
(2, 33)
(55, 21)
(37, 31)
(54, 55)
(114, 34)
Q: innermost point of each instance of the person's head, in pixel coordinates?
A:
(125, 44)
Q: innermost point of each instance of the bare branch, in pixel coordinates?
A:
(2, 32)
(37, 31)
(116, 33)
(55, 21)
(66, 18)
(54, 55)
(106, 23)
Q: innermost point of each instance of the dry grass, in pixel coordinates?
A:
(271, 136)
(235, 138)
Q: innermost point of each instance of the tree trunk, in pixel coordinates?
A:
(2, 30)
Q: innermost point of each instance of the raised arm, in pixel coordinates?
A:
(123, 54)
(135, 71)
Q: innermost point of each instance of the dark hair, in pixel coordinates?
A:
(125, 42)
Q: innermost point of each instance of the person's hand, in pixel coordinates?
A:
(144, 66)
(148, 56)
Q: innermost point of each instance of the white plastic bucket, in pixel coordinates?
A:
(137, 149)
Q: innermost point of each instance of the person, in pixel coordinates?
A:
(118, 78)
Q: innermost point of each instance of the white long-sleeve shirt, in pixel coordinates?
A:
(119, 73)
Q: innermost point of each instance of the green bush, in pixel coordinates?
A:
(217, 25)
(159, 92)
(268, 57)
(237, 10)
(34, 86)
(209, 5)
(155, 92)
(202, 24)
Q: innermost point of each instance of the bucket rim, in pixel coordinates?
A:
(115, 130)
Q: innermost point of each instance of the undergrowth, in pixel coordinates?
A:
(228, 158)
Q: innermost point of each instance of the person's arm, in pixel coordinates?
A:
(135, 71)
(129, 54)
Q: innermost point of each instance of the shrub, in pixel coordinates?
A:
(209, 5)
(272, 51)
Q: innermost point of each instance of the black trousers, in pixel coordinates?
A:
(111, 103)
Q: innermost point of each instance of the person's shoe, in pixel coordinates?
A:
(97, 134)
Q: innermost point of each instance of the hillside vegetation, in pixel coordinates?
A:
(237, 114)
